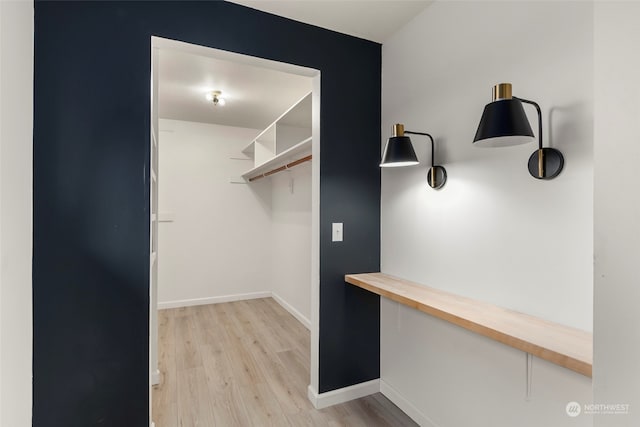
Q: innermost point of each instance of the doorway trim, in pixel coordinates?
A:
(158, 43)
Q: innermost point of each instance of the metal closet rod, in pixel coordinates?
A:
(281, 168)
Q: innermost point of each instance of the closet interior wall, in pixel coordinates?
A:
(220, 240)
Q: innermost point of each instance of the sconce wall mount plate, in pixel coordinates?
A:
(436, 177)
(545, 163)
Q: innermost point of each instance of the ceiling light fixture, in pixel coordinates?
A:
(215, 96)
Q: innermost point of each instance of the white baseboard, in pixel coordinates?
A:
(295, 313)
(212, 300)
(155, 377)
(406, 406)
(237, 297)
(341, 395)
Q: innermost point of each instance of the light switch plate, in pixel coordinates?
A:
(336, 232)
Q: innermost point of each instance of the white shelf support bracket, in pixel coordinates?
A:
(529, 373)
(237, 180)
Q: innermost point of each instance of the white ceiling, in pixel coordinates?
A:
(258, 91)
(373, 20)
(255, 95)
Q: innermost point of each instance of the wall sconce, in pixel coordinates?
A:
(399, 152)
(504, 123)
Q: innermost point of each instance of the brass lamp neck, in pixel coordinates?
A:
(397, 130)
(501, 91)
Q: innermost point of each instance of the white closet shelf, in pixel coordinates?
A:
(299, 150)
(568, 347)
(296, 118)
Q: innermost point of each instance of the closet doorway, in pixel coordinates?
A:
(234, 190)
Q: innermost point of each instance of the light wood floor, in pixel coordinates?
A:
(246, 363)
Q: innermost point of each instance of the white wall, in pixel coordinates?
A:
(16, 168)
(291, 239)
(617, 211)
(218, 243)
(493, 232)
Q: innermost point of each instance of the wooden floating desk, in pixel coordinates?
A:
(568, 347)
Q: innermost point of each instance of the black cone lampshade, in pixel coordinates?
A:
(399, 151)
(504, 122)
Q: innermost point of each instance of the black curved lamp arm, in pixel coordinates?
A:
(535, 104)
(431, 138)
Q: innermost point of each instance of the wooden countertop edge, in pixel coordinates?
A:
(580, 365)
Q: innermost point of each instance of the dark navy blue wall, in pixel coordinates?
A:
(91, 161)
